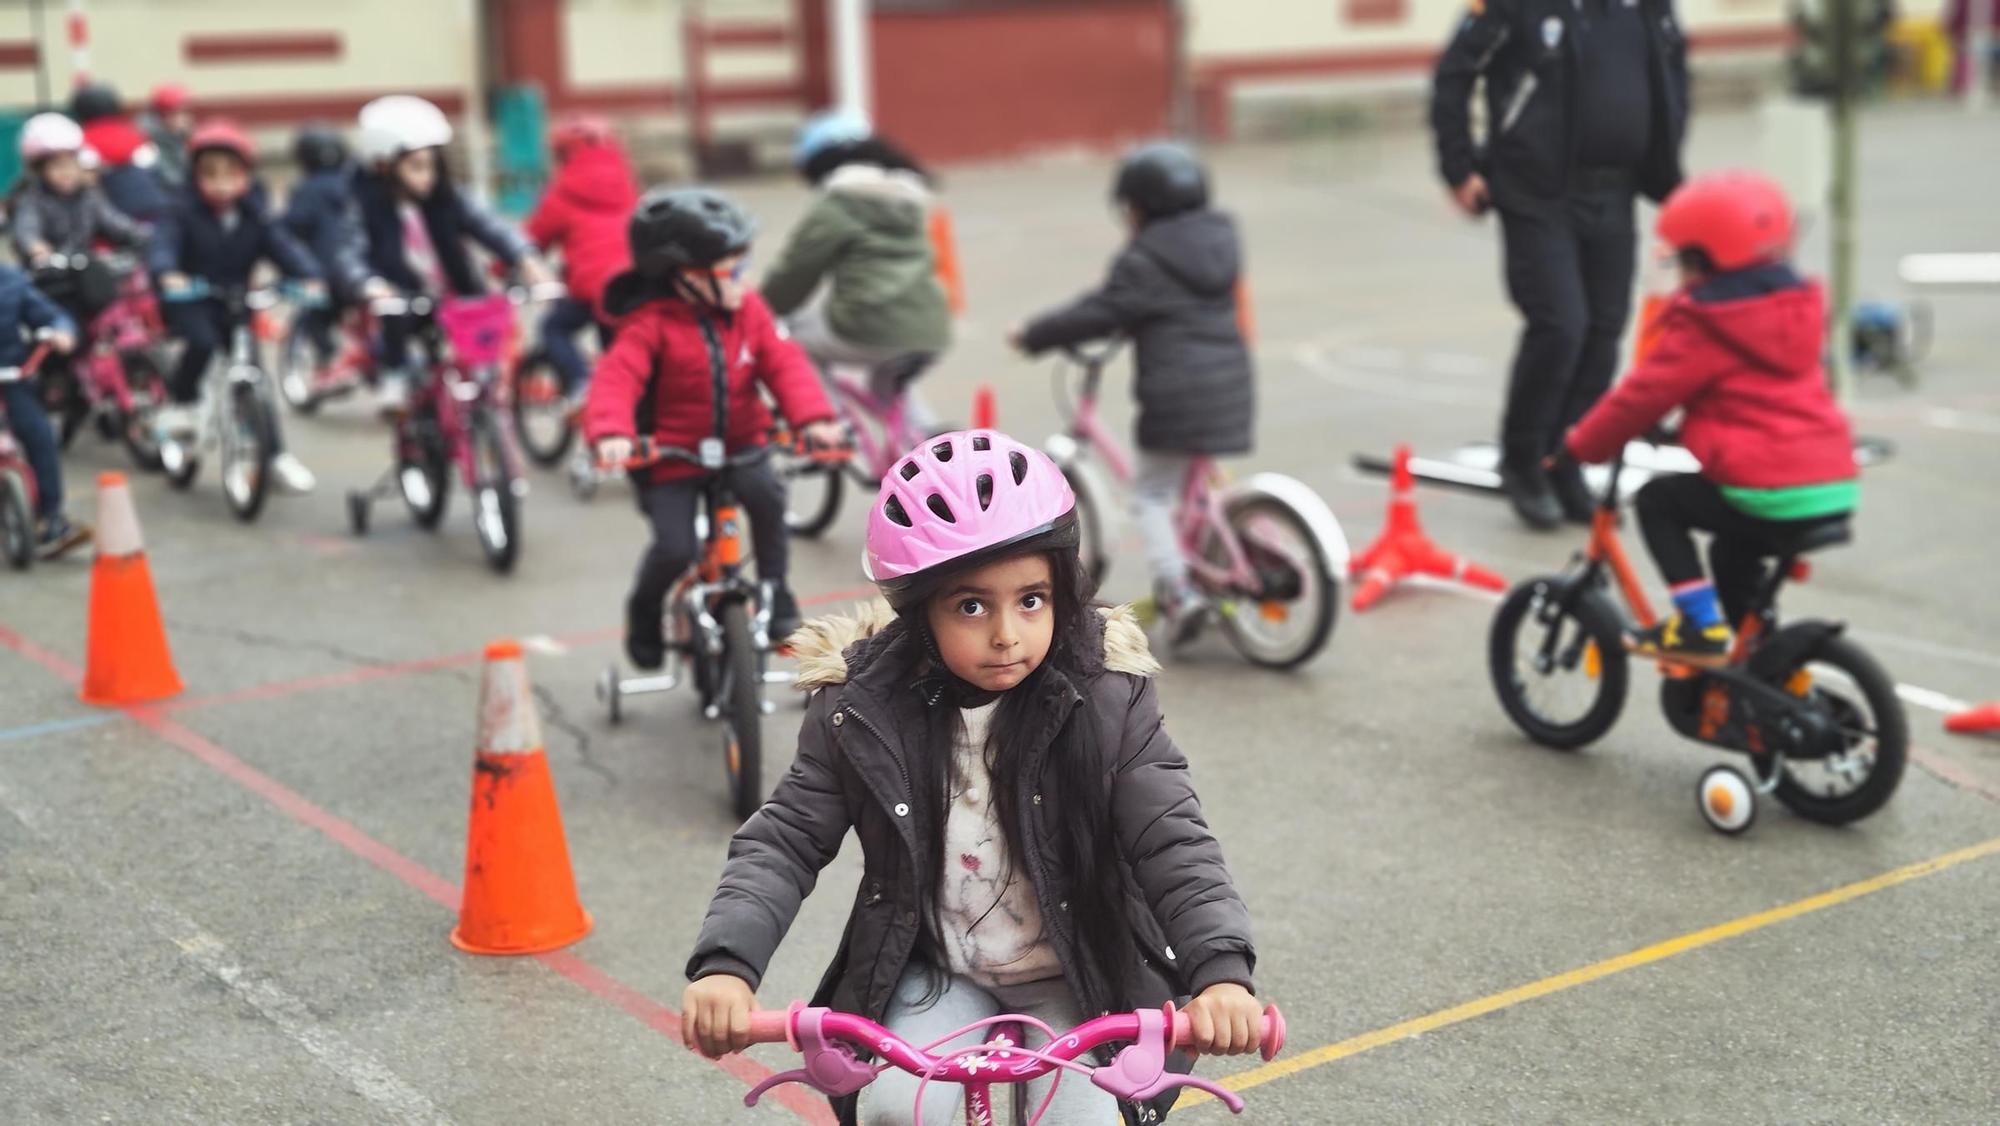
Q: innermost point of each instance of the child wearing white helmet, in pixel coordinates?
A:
(56, 212)
(415, 223)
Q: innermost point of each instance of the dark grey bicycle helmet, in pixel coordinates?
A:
(1161, 179)
(674, 228)
(95, 100)
(319, 146)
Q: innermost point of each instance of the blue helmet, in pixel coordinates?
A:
(826, 129)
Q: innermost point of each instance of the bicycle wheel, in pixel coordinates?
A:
(249, 439)
(148, 389)
(1560, 670)
(295, 368)
(812, 493)
(17, 521)
(540, 411)
(63, 394)
(1286, 621)
(496, 512)
(1092, 502)
(423, 469)
(743, 711)
(1845, 682)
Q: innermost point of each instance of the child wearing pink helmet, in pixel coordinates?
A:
(1030, 837)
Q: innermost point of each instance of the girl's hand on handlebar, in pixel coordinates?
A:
(173, 281)
(534, 273)
(375, 289)
(1225, 1020)
(614, 450)
(61, 343)
(715, 1014)
(1015, 336)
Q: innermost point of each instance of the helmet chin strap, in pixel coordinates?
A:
(712, 297)
(942, 682)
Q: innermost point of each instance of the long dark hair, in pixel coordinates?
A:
(1086, 848)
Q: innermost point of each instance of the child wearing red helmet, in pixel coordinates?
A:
(1738, 352)
(583, 216)
(217, 230)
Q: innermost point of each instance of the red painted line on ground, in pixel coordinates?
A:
(1952, 774)
(344, 833)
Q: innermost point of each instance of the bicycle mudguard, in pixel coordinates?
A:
(1299, 497)
(1790, 646)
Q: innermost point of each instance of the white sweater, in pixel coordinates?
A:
(992, 924)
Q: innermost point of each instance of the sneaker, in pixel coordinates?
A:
(1184, 611)
(392, 393)
(60, 536)
(292, 474)
(1572, 493)
(1675, 638)
(784, 606)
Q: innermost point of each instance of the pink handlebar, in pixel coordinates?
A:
(771, 1026)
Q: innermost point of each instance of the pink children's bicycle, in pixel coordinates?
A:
(880, 431)
(830, 1041)
(114, 380)
(19, 492)
(1266, 551)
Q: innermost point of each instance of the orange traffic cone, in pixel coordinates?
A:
(985, 413)
(1403, 549)
(126, 659)
(1982, 720)
(520, 897)
(944, 252)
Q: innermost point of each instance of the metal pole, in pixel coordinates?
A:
(78, 26)
(41, 52)
(1978, 53)
(479, 162)
(854, 88)
(1842, 27)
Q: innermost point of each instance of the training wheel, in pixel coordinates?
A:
(357, 513)
(1727, 802)
(611, 694)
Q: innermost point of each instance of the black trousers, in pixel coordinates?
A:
(202, 326)
(1569, 270)
(1672, 506)
(670, 507)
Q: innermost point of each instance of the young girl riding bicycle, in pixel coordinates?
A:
(1030, 838)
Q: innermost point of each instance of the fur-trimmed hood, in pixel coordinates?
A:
(826, 647)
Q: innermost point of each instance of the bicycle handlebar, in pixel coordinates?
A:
(422, 305)
(827, 1040)
(1095, 354)
(646, 453)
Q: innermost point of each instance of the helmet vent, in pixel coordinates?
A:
(984, 484)
(981, 442)
(1019, 461)
(909, 471)
(893, 509)
(937, 505)
(942, 451)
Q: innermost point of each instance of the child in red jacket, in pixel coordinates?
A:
(693, 347)
(583, 215)
(1739, 352)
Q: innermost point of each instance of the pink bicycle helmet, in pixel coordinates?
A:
(959, 499)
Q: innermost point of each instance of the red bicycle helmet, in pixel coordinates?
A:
(1736, 219)
(578, 130)
(170, 97)
(220, 135)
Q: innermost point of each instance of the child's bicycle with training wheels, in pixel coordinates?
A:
(113, 380)
(238, 420)
(717, 619)
(1266, 552)
(831, 1044)
(304, 381)
(1818, 718)
(19, 492)
(879, 429)
(454, 420)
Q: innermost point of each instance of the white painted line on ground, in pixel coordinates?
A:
(1460, 365)
(1400, 386)
(1391, 358)
(369, 1076)
(1926, 698)
(544, 644)
(1930, 648)
(1945, 418)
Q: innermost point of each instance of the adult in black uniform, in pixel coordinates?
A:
(1586, 101)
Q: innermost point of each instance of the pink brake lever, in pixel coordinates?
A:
(1140, 1071)
(830, 1067)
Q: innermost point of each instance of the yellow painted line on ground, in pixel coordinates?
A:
(1659, 951)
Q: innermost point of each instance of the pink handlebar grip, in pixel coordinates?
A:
(1271, 1042)
(770, 1027)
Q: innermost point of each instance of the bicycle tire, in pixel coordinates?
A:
(811, 520)
(1892, 739)
(496, 509)
(1598, 624)
(248, 420)
(147, 388)
(1321, 628)
(420, 450)
(1090, 510)
(295, 369)
(549, 454)
(17, 521)
(743, 712)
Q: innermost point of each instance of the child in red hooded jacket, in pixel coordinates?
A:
(694, 346)
(583, 215)
(1739, 351)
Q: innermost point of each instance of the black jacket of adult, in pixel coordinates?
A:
(192, 239)
(1172, 289)
(1191, 929)
(449, 217)
(321, 214)
(1529, 53)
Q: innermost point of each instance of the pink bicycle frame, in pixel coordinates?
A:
(130, 323)
(827, 1039)
(879, 444)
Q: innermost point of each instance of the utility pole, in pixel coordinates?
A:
(479, 162)
(1843, 33)
(853, 77)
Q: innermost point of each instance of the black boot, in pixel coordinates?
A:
(1572, 493)
(644, 645)
(1527, 487)
(784, 613)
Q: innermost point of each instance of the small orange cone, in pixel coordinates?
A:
(520, 897)
(944, 252)
(1982, 720)
(1403, 549)
(126, 659)
(985, 414)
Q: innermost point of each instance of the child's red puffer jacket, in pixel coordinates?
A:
(1742, 354)
(663, 347)
(583, 214)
